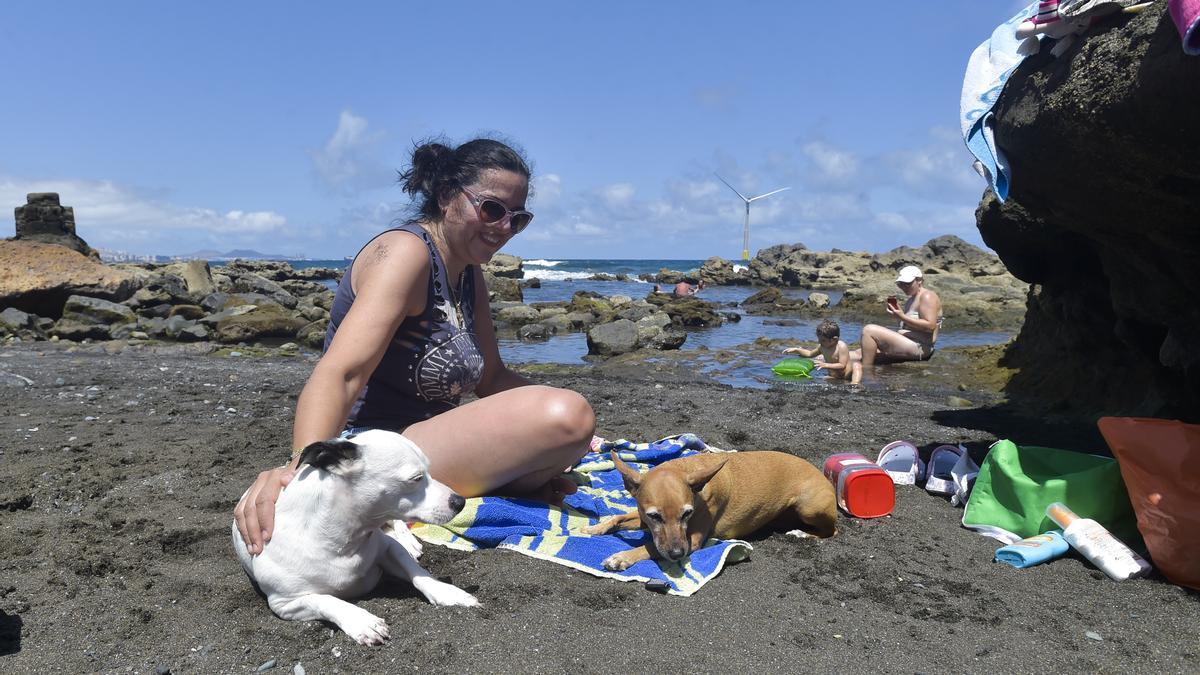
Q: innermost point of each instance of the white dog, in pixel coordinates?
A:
(329, 541)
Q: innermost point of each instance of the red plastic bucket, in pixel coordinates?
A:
(864, 490)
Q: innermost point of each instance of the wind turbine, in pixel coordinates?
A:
(746, 227)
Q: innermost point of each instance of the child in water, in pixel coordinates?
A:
(833, 354)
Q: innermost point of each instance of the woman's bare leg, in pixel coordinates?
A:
(884, 345)
(516, 442)
(856, 372)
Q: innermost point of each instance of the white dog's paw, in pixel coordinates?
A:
(446, 595)
(366, 628)
(618, 561)
(400, 532)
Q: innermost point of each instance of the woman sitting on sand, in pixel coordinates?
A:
(920, 319)
(410, 332)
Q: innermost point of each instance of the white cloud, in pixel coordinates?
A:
(617, 195)
(939, 169)
(833, 165)
(349, 161)
(547, 188)
(109, 215)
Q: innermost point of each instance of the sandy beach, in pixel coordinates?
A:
(121, 465)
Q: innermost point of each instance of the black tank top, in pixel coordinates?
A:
(432, 360)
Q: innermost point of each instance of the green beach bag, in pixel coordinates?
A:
(1016, 484)
(794, 367)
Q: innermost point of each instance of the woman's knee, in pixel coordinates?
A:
(569, 416)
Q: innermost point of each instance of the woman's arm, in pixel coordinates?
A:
(496, 376)
(390, 282)
(389, 285)
(929, 307)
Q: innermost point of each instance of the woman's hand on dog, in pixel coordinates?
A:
(255, 513)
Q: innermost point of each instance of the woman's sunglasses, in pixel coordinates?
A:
(492, 211)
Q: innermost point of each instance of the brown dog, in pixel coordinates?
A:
(685, 501)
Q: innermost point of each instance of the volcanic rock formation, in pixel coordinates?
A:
(1104, 219)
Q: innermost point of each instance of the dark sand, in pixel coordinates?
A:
(119, 473)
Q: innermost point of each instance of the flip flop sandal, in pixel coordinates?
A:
(902, 462)
(941, 467)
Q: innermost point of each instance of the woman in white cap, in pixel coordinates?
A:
(919, 318)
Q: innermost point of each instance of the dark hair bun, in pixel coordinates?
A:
(428, 162)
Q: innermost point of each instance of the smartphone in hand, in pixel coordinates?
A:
(893, 302)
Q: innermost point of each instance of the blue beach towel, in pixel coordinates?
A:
(552, 533)
(987, 71)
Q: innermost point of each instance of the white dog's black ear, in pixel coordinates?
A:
(329, 454)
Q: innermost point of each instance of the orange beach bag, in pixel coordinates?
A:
(1160, 464)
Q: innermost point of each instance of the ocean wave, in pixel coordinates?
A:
(543, 263)
(739, 268)
(555, 275)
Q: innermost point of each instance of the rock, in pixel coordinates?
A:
(45, 220)
(312, 335)
(14, 319)
(314, 313)
(536, 331)
(14, 380)
(610, 339)
(196, 276)
(84, 309)
(531, 282)
(161, 311)
(767, 296)
(179, 328)
(667, 339)
(71, 329)
(38, 278)
(256, 284)
(262, 322)
(693, 312)
(581, 320)
(818, 300)
(191, 312)
(1102, 220)
(266, 665)
(719, 272)
(505, 265)
(502, 288)
(518, 315)
(959, 402)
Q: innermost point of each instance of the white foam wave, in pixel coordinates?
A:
(543, 263)
(739, 268)
(555, 275)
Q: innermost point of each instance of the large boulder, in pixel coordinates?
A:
(719, 272)
(44, 219)
(502, 288)
(37, 277)
(196, 276)
(96, 310)
(266, 321)
(1102, 217)
(505, 265)
(610, 339)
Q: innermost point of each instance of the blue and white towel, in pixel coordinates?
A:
(551, 533)
(987, 71)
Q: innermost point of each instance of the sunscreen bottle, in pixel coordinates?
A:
(1097, 544)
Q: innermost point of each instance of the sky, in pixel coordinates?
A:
(280, 126)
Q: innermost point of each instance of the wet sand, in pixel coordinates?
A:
(120, 470)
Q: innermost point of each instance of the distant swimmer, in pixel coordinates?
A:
(683, 289)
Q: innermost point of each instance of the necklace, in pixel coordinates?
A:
(456, 298)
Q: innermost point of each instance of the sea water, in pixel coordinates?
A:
(562, 278)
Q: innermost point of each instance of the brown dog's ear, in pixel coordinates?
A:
(700, 477)
(633, 479)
